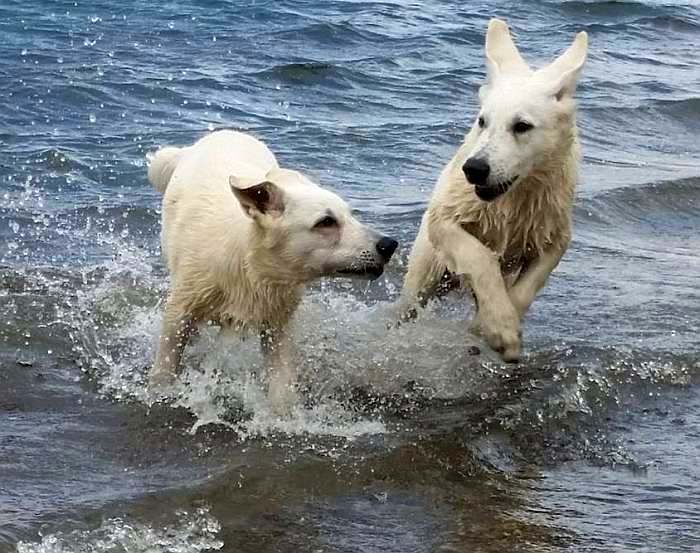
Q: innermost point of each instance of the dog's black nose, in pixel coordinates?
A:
(477, 171)
(386, 247)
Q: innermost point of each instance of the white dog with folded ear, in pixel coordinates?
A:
(242, 237)
(500, 215)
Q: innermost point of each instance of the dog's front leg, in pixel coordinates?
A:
(278, 351)
(425, 270)
(496, 319)
(523, 292)
(177, 329)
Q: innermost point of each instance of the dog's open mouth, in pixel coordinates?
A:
(364, 271)
(488, 193)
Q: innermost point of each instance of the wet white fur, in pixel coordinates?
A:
(237, 264)
(505, 249)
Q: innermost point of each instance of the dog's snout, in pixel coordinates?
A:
(477, 171)
(386, 247)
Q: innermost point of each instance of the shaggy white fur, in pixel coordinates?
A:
(241, 237)
(500, 215)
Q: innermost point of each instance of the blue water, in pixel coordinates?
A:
(408, 443)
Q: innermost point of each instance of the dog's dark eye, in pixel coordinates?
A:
(522, 127)
(326, 222)
(481, 122)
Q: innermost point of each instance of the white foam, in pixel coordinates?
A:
(191, 532)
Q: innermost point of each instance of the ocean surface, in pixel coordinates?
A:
(407, 442)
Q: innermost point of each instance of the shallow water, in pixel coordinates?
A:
(406, 441)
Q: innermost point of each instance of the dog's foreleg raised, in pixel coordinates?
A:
(523, 292)
(497, 319)
(177, 328)
(278, 351)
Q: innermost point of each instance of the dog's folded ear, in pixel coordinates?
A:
(563, 72)
(502, 56)
(261, 198)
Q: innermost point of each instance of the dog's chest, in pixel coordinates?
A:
(509, 235)
(516, 247)
(259, 305)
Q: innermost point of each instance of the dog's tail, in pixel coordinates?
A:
(161, 166)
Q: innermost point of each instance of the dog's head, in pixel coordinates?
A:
(303, 231)
(526, 118)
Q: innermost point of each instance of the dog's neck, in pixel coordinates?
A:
(260, 291)
(561, 162)
(553, 181)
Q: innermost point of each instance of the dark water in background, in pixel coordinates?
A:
(408, 443)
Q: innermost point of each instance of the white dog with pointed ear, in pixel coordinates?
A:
(242, 237)
(500, 215)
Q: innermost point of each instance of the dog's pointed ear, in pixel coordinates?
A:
(564, 71)
(502, 55)
(260, 199)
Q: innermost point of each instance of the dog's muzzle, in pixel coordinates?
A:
(364, 271)
(478, 172)
(490, 192)
(369, 265)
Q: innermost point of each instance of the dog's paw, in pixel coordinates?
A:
(160, 380)
(501, 330)
(510, 349)
(506, 343)
(282, 396)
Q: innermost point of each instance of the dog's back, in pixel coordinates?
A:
(199, 209)
(235, 153)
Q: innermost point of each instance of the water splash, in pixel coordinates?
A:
(352, 366)
(341, 339)
(191, 532)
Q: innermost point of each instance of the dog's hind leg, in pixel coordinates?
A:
(177, 329)
(425, 276)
